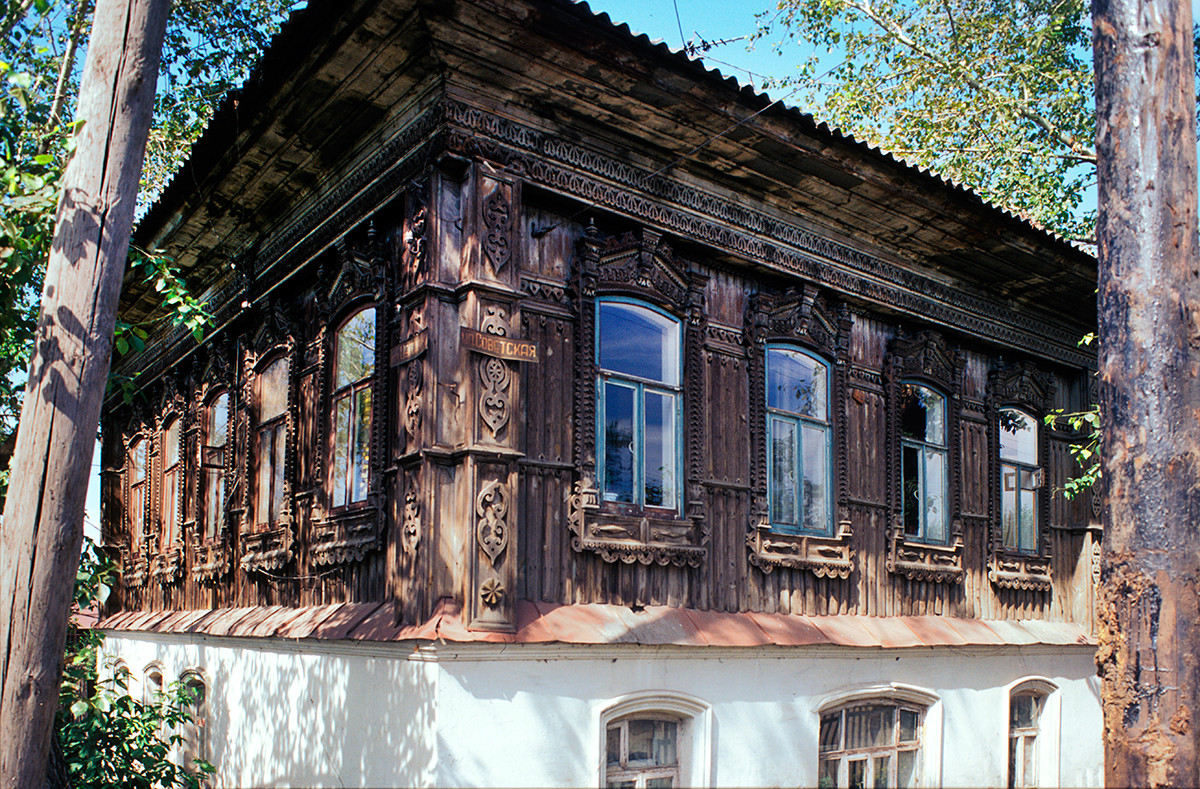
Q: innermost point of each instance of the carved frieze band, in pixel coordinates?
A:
(558, 163)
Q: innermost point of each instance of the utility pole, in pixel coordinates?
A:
(1150, 390)
(43, 515)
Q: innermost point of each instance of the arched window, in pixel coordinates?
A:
(1020, 478)
(137, 494)
(798, 442)
(1033, 737)
(870, 743)
(212, 460)
(655, 740)
(924, 463)
(352, 408)
(271, 442)
(171, 477)
(638, 393)
(195, 730)
(152, 684)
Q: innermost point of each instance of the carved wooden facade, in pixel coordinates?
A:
(480, 467)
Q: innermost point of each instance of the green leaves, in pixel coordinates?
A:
(1086, 450)
(994, 95)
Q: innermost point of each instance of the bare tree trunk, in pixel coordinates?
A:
(43, 516)
(1150, 390)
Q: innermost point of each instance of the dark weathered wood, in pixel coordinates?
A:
(43, 515)
(1150, 388)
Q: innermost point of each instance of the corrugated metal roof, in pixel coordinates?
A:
(551, 623)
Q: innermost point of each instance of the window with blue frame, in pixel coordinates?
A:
(1020, 479)
(924, 463)
(798, 441)
(638, 404)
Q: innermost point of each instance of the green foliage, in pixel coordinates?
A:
(109, 739)
(996, 95)
(1085, 451)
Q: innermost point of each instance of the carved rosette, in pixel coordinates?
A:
(641, 265)
(925, 357)
(802, 317)
(1024, 386)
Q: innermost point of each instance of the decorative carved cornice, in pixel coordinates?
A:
(1026, 573)
(630, 539)
(919, 561)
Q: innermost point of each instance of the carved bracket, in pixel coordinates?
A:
(346, 537)
(267, 550)
(134, 569)
(167, 567)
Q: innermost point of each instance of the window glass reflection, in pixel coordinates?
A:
(638, 342)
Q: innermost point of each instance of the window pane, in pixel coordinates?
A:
(664, 782)
(618, 443)
(660, 438)
(651, 743)
(910, 493)
(827, 774)
(1028, 525)
(263, 483)
(638, 341)
(356, 349)
(1028, 766)
(783, 472)
(1009, 479)
(214, 498)
(279, 446)
(906, 769)
(909, 721)
(1014, 745)
(869, 727)
(831, 729)
(858, 774)
(1024, 711)
(169, 504)
(796, 383)
(218, 421)
(922, 414)
(360, 471)
(883, 765)
(613, 746)
(139, 461)
(621, 784)
(272, 391)
(341, 449)
(171, 444)
(137, 509)
(815, 491)
(935, 496)
(1018, 436)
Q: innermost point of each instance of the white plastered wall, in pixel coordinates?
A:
(340, 714)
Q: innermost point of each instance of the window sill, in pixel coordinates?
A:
(824, 556)
(267, 550)
(1010, 570)
(347, 536)
(920, 561)
(134, 569)
(647, 538)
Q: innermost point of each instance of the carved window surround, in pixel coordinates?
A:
(642, 266)
(804, 318)
(135, 566)
(212, 557)
(924, 358)
(275, 338)
(166, 561)
(357, 280)
(1022, 386)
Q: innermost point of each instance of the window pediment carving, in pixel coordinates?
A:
(276, 326)
(356, 270)
(800, 314)
(925, 355)
(640, 266)
(1022, 383)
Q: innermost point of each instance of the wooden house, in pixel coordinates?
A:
(572, 415)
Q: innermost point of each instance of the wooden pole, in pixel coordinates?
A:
(43, 516)
(1150, 390)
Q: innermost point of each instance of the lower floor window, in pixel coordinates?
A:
(870, 745)
(1024, 711)
(642, 752)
